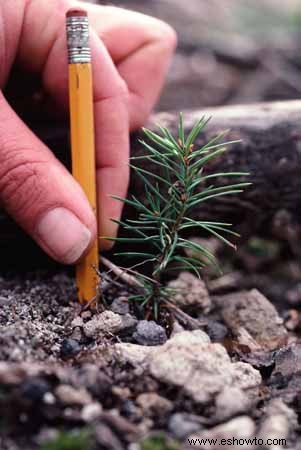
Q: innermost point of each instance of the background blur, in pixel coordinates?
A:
(230, 51)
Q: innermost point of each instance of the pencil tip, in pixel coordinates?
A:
(77, 13)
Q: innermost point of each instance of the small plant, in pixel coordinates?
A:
(159, 441)
(167, 213)
(69, 441)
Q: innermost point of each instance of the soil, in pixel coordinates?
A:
(224, 360)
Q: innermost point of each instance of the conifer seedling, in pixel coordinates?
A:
(167, 212)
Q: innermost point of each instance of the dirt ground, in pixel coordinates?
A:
(225, 360)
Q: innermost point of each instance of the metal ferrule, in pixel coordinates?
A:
(78, 40)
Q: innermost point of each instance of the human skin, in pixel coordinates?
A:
(131, 53)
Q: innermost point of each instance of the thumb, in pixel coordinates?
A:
(40, 194)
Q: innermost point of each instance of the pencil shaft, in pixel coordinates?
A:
(83, 164)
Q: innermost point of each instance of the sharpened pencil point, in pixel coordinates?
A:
(76, 13)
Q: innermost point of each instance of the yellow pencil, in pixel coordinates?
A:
(82, 136)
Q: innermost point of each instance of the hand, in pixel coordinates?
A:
(131, 54)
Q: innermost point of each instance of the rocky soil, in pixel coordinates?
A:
(224, 361)
(226, 364)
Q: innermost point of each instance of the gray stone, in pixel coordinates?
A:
(69, 348)
(189, 361)
(149, 333)
(68, 395)
(252, 311)
(280, 421)
(288, 360)
(152, 404)
(136, 355)
(200, 368)
(190, 292)
(120, 305)
(181, 425)
(108, 322)
(91, 412)
(13, 374)
(231, 402)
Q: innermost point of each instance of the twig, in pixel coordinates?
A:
(121, 273)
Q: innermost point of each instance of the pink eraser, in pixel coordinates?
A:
(77, 13)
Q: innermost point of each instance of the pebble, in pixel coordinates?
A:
(181, 425)
(279, 422)
(16, 355)
(69, 348)
(4, 301)
(136, 355)
(190, 292)
(91, 412)
(35, 389)
(106, 438)
(153, 405)
(216, 331)
(108, 322)
(120, 305)
(254, 312)
(200, 369)
(149, 333)
(12, 374)
(231, 402)
(192, 363)
(68, 395)
(288, 360)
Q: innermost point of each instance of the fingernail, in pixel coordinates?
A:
(64, 235)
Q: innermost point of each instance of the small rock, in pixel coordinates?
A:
(190, 362)
(76, 334)
(252, 311)
(182, 425)
(120, 305)
(200, 368)
(123, 393)
(231, 402)
(292, 320)
(129, 324)
(216, 331)
(68, 395)
(108, 322)
(91, 412)
(190, 292)
(86, 315)
(153, 405)
(77, 322)
(279, 422)
(12, 374)
(149, 333)
(123, 428)
(4, 301)
(136, 355)
(288, 360)
(187, 338)
(242, 427)
(95, 380)
(16, 355)
(106, 438)
(49, 398)
(35, 389)
(69, 348)
(177, 328)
